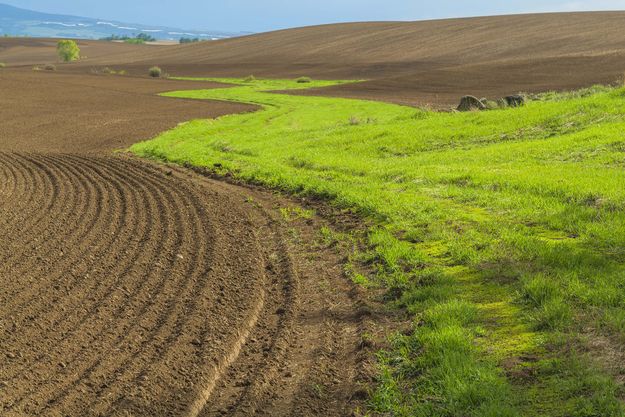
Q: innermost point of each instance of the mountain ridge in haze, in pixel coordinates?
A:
(15, 21)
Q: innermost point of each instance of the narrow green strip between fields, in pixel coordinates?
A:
(502, 233)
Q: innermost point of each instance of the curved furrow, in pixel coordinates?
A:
(147, 353)
(177, 226)
(9, 191)
(187, 327)
(160, 281)
(62, 319)
(31, 216)
(34, 181)
(27, 206)
(94, 304)
(181, 344)
(81, 196)
(58, 266)
(9, 182)
(48, 240)
(144, 278)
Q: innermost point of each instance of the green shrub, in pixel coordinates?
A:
(3, 65)
(68, 50)
(50, 67)
(249, 79)
(304, 80)
(155, 72)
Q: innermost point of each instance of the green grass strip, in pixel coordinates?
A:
(501, 232)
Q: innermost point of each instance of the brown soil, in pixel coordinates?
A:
(130, 288)
(415, 63)
(49, 111)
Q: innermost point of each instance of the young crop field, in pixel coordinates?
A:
(501, 234)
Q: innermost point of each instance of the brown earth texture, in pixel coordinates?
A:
(129, 288)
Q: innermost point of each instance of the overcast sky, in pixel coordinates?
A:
(263, 15)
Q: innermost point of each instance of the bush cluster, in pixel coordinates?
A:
(155, 72)
(68, 50)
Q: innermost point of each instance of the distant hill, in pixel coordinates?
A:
(417, 63)
(21, 22)
(423, 62)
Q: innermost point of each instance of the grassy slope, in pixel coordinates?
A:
(502, 232)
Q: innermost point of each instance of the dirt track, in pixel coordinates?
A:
(128, 288)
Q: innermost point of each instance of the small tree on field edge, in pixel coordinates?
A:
(155, 72)
(68, 50)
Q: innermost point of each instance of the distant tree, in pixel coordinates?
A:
(115, 38)
(189, 40)
(68, 50)
(146, 37)
(135, 39)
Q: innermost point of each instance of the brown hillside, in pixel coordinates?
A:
(423, 62)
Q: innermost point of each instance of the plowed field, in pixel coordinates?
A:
(128, 288)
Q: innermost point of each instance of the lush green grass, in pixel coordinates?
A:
(502, 233)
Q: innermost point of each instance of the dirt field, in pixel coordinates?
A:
(46, 111)
(133, 289)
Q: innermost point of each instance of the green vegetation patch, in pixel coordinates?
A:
(68, 50)
(139, 39)
(501, 234)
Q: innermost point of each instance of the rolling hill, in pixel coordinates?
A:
(415, 63)
(419, 62)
